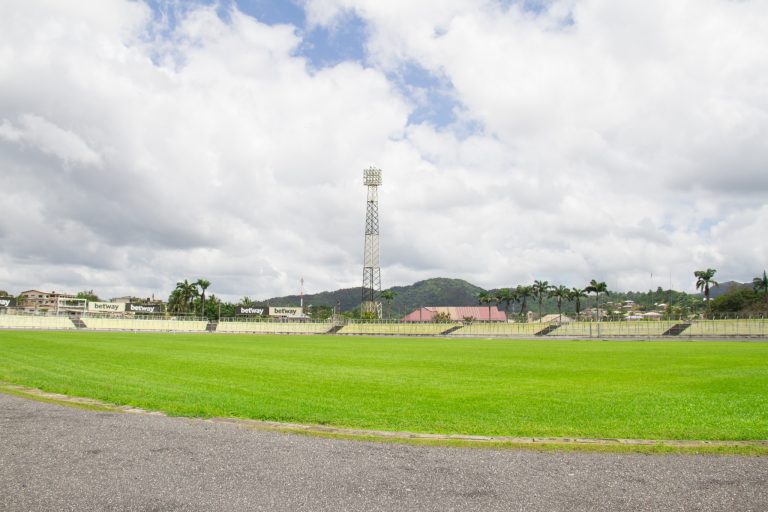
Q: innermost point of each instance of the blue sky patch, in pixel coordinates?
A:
(327, 46)
(431, 94)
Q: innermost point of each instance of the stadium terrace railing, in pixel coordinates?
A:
(730, 326)
(274, 326)
(26, 321)
(396, 328)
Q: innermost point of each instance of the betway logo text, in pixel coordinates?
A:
(4, 303)
(141, 309)
(252, 311)
(106, 306)
(289, 312)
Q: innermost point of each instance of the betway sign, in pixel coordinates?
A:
(141, 309)
(7, 302)
(286, 312)
(106, 307)
(249, 310)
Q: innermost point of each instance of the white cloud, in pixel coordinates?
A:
(49, 138)
(604, 123)
(615, 141)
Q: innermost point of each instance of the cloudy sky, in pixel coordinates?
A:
(142, 143)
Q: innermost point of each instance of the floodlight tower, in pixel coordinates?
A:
(371, 267)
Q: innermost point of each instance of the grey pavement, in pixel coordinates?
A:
(61, 458)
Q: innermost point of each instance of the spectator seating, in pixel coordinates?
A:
(35, 322)
(134, 324)
(275, 327)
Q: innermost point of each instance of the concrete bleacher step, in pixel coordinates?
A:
(335, 329)
(451, 329)
(548, 329)
(78, 322)
(676, 329)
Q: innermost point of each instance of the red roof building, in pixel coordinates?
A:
(457, 314)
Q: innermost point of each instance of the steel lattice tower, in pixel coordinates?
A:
(371, 266)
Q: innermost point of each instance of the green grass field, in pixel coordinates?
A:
(644, 390)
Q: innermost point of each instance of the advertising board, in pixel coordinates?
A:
(286, 312)
(106, 307)
(250, 310)
(142, 309)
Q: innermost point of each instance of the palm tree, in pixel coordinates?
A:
(540, 288)
(183, 295)
(176, 302)
(704, 282)
(560, 293)
(760, 285)
(506, 296)
(597, 289)
(203, 284)
(523, 292)
(576, 295)
(486, 298)
(389, 296)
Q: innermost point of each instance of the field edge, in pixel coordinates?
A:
(545, 444)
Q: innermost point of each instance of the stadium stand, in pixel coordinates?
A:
(638, 329)
(456, 314)
(275, 327)
(35, 322)
(500, 329)
(397, 329)
(725, 328)
(131, 324)
(599, 329)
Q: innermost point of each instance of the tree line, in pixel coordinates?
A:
(190, 297)
(522, 295)
(540, 290)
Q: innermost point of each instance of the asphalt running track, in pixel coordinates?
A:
(61, 458)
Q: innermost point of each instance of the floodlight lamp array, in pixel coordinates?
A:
(372, 176)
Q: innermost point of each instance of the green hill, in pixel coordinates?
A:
(438, 291)
(442, 291)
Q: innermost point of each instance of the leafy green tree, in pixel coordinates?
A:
(704, 281)
(540, 290)
(560, 293)
(88, 295)
(576, 295)
(388, 296)
(524, 292)
(597, 288)
(174, 302)
(246, 302)
(212, 307)
(320, 312)
(760, 285)
(441, 318)
(735, 300)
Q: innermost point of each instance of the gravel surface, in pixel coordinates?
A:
(62, 458)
